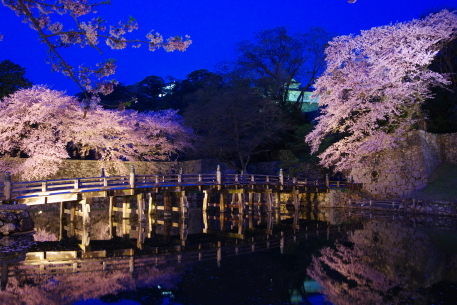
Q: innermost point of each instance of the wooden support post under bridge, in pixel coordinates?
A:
(72, 224)
(184, 213)
(269, 200)
(222, 195)
(141, 227)
(126, 217)
(86, 226)
(111, 210)
(152, 214)
(61, 217)
(277, 206)
(251, 209)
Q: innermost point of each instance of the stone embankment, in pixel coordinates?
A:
(15, 219)
(429, 207)
(359, 200)
(402, 171)
(92, 168)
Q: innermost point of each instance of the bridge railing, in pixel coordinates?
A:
(174, 179)
(62, 186)
(16, 190)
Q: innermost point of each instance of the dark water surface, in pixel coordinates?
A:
(322, 257)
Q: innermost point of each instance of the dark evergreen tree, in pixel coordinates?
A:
(12, 78)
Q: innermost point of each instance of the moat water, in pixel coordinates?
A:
(330, 256)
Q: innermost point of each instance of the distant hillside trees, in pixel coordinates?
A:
(148, 93)
(198, 86)
(154, 93)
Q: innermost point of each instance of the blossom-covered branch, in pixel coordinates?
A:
(85, 32)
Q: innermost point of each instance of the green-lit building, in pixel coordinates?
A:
(309, 104)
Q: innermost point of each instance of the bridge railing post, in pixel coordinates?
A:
(132, 176)
(103, 175)
(180, 175)
(219, 175)
(76, 183)
(7, 186)
(281, 177)
(327, 181)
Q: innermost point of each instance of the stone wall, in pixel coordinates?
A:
(358, 200)
(448, 143)
(429, 207)
(15, 218)
(92, 168)
(340, 199)
(400, 172)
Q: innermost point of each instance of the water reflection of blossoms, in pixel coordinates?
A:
(385, 263)
(53, 289)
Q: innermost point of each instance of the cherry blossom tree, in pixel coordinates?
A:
(40, 124)
(373, 87)
(80, 29)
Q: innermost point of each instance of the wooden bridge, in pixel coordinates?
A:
(141, 206)
(147, 196)
(62, 190)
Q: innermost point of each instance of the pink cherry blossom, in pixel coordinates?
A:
(373, 87)
(40, 123)
(88, 32)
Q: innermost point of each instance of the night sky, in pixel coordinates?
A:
(214, 26)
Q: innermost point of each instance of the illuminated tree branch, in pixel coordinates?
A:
(87, 33)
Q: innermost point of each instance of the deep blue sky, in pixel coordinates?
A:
(214, 26)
